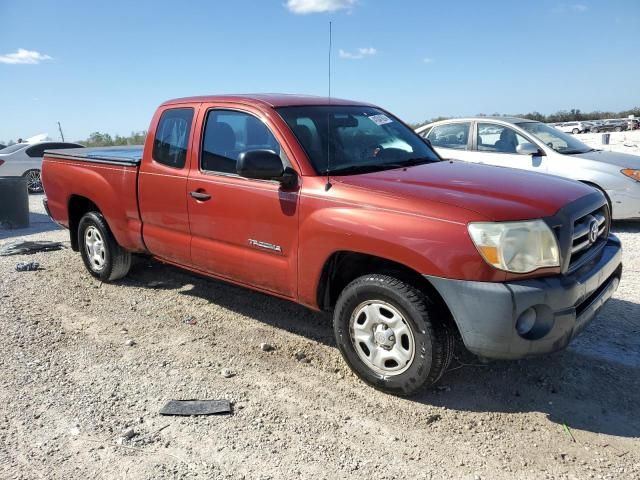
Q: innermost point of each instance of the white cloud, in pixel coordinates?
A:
(358, 54)
(304, 7)
(427, 60)
(576, 7)
(23, 56)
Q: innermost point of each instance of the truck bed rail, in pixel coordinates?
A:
(126, 155)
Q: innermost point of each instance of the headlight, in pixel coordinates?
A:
(631, 173)
(518, 247)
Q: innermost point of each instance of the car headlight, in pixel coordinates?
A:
(631, 173)
(518, 247)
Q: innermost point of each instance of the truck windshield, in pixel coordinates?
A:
(345, 140)
(552, 137)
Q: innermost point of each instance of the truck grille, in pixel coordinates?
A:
(589, 236)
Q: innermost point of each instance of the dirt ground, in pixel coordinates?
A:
(72, 383)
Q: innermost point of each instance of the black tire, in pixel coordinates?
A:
(575, 131)
(116, 261)
(434, 342)
(594, 130)
(618, 129)
(34, 181)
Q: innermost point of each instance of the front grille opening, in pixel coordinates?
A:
(589, 236)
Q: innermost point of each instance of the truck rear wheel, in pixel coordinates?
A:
(103, 257)
(391, 335)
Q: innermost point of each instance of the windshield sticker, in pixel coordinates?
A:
(380, 119)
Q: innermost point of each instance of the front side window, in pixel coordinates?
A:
(498, 138)
(172, 137)
(228, 134)
(347, 139)
(451, 135)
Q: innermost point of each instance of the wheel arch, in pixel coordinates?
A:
(606, 195)
(78, 206)
(344, 266)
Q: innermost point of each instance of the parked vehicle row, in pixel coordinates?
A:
(339, 206)
(534, 146)
(595, 126)
(25, 160)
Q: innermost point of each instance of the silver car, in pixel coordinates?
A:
(530, 145)
(25, 160)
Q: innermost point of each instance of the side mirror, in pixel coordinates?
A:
(260, 165)
(527, 149)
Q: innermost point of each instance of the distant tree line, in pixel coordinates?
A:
(98, 139)
(560, 116)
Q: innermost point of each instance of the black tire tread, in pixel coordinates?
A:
(444, 344)
(120, 259)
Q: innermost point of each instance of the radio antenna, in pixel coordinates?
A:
(328, 184)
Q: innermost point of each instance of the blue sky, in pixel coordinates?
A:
(105, 66)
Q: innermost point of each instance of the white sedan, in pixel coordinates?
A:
(25, 160)
(530, 145)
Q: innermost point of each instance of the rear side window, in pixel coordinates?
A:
(172, 137)
(227, 134)
(451, 135)
(37, 151)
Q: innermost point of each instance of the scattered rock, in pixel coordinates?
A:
(129, 433)
(433, 418)
(226, 373)
(300, 355)
(266, 347)
(190, 321)
(130, 343)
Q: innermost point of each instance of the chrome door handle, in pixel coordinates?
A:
(200, 196)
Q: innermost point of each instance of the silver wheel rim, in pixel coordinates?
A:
(382, 338)
(34, 183)
(94, 246)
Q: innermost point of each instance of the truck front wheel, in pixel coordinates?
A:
(103, 257)
(391, 335)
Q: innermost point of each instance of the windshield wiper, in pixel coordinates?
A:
(354, 169)
(574, 152)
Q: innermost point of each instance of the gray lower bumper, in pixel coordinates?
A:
(486, 313)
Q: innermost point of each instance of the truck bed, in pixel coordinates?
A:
(122, 155)
(105, 176)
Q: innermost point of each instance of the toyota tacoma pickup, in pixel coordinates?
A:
(340, 206)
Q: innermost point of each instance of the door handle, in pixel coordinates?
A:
(203, 197)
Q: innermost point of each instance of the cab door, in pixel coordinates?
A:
(162, 184)
(243, 230)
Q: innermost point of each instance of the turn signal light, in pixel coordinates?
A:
(631, 173)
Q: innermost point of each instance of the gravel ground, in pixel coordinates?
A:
(86, 366)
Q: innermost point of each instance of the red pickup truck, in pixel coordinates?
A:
(340, 206)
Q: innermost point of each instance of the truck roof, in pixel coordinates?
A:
(267, 99)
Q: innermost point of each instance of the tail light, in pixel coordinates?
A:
(1, 162)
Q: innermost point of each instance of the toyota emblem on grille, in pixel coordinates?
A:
(593, 231)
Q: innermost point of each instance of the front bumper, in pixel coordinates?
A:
(486, 313)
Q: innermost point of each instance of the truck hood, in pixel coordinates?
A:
(622, 160)
(494, 193)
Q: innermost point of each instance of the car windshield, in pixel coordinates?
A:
(561, 142)
(345, 140)
(13, 148)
